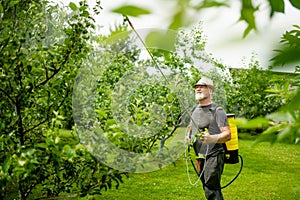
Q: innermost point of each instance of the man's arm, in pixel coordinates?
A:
(223, 137)
(225, 134)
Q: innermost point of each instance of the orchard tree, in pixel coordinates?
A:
(125, 86)
(247, 94)
(42, 46)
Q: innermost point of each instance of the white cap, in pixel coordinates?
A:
(207, 82)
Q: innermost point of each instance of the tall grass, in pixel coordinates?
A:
(269, 172)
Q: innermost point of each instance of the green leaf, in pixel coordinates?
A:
(285, 133)
(295, 3)
(290, 51)
(177, 21)
(111, 122)
(160, 40)
(280, 116)
(272, 91)
(276, 6)
(83, 8)
(85, 14)
(247, 15)
(131, 10)
(294, 105)
(1, 8)
(268, 135)
(259, 122)
(41, 145)
(12, 3)
(69, 151)
(6, 164)
(211, 4)
(286, 56)
(247, 31)
(73, 6)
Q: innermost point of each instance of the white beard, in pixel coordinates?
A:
(199, 96)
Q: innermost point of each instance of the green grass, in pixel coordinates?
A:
(269, 172)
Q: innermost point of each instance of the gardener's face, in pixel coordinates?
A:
(201, 92)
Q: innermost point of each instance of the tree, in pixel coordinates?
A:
(126, 102)
(42, 46)
(247, 92)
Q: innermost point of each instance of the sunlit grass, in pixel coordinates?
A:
(269, 172)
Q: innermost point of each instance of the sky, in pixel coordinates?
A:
(220, 26)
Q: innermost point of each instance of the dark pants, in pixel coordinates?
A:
(211, 176)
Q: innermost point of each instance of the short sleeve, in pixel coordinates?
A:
(221, 117)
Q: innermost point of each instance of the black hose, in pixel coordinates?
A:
(237, 175)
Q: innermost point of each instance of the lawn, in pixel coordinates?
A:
(269, 172)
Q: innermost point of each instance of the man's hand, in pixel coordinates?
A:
(209, 139)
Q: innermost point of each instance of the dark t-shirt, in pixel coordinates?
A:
(203, 117)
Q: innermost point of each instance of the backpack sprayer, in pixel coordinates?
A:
(232, 146)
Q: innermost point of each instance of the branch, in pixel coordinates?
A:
(48, 114)
(44, 82)
(56, 71)
(9, 97)
(48, 78)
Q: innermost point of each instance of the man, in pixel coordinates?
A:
(209, 122)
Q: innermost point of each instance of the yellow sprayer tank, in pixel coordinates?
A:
(232, 146)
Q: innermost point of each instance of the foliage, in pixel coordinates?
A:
(41, 50)
(247, 94)
(135, 108)
(57, 165)
(42, 46)
(112, 73)
(284, 123)
(288, 53)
